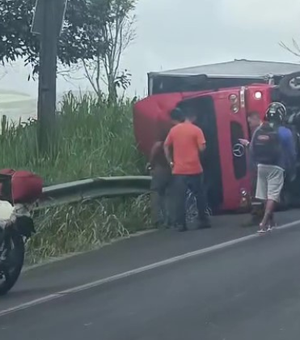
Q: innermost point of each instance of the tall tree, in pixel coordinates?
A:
(118, 33)
(81, 39)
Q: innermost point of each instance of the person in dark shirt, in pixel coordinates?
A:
(273, 150)
(161, 173)
(161, 180)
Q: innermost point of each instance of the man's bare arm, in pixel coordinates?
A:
(202, 147)
(154, 152)
(168, 154)
(201, 140)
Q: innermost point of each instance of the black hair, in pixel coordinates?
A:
(177, 114)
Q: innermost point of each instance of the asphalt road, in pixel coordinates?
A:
(250, 290)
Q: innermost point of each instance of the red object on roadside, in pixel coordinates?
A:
(26, 186)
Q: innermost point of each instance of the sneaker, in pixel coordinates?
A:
(262, 231)
(271, 227)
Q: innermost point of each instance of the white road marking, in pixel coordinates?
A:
(136, 271)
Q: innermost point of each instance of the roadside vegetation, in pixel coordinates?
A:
(93, 139)
(94, 133)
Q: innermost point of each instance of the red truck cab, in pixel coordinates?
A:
(222, 115)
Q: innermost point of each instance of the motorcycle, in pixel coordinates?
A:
(16, 227)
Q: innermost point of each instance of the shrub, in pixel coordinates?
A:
(93, 139)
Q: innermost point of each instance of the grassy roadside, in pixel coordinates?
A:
(93, 140)
(80, 227)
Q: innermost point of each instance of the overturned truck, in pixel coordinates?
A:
(222, 95)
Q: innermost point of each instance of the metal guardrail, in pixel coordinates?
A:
(89, 189)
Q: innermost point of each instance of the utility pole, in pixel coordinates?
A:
(47, 78)
(47, 22)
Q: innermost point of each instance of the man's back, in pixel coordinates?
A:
(186, 140)
(287, 151)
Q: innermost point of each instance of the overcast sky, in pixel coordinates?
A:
(181, 33)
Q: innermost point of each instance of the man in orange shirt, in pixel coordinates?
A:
(182, 147)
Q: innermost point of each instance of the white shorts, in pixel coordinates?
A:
(270, 180)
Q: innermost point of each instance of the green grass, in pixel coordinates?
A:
(79, 227)
(93, 139)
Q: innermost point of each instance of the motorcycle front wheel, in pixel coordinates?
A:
(11, 261)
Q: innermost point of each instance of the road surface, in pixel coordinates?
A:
(248, 290)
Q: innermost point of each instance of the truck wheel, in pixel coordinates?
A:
(289, 85)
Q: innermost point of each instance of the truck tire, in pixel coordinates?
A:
(289, 85)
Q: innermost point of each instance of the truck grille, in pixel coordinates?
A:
(239, 152)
